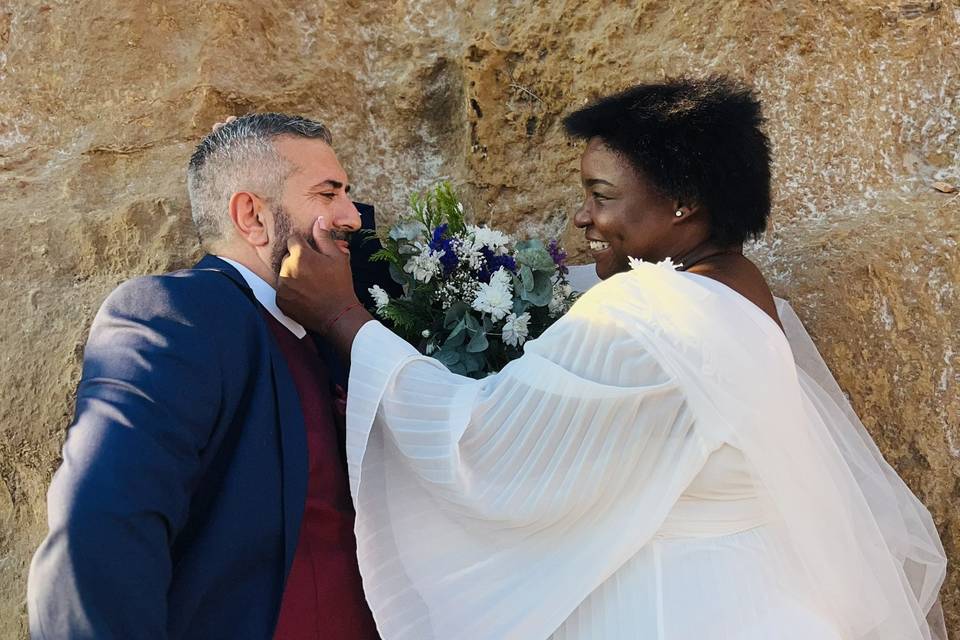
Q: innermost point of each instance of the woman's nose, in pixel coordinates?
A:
(581, 218)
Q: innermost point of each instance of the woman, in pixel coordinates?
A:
(656, 465)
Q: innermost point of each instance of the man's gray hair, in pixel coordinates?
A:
(241, 156)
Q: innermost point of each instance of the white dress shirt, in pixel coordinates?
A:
(266, 295)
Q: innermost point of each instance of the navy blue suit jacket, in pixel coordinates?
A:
(176, 511)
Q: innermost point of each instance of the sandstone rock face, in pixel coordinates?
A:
(102, 102)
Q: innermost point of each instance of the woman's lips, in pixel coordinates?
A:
(598, 246)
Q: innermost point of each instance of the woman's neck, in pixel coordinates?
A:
(706, 255)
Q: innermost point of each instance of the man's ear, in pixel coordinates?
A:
(246, 211)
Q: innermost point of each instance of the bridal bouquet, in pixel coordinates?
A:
(471, 294)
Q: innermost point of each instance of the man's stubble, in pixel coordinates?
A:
(282, 228)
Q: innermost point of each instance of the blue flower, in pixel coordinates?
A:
(505, 261)
(439, 243)
(436, 241)
(492, 263)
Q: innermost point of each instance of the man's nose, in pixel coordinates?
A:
(347, 217)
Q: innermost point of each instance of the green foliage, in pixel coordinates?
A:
(407, 317)
(437, 207)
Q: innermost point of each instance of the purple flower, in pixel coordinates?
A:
(439, 243)
(559, 256)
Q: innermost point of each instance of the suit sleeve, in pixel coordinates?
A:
(146, 405)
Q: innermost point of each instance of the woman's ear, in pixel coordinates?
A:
(684, 211)
(246, 212)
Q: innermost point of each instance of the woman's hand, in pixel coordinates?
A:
(227, 121)
(315, 287)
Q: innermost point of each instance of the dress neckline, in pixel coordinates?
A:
(769, 322)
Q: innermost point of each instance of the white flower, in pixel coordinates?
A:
(670, 264)
(380, 297)
(515, 329)
(501, 278)
(469, 253)
(636, 263)
(425, 265)
(495, 298)
(461, 287)
(485, 236)
(560, 299)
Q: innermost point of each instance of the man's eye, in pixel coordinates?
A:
(599, 197)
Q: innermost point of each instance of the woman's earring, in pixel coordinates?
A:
(678, 213)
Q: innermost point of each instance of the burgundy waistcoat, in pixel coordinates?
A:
(323, 597)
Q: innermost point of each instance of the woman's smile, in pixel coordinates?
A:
(598, 246)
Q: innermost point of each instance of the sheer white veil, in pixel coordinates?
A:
(859, 534)
(904, 522)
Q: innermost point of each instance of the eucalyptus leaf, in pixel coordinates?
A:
(409, 230)
(526, 277)
(534, 254)
(532, 243)
(473, 363)
(447, 356)
(399, 276)
(478, 343)
(542, 291)
(457, 336)
(455, 313)
(473, 325)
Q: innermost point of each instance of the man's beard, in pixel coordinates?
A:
(282, 228)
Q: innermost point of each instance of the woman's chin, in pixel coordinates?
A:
(607, 268)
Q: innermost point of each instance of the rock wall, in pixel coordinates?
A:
(101, 103)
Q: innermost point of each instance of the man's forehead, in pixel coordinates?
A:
(311, 157)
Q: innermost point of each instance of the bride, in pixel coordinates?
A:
(671, 460)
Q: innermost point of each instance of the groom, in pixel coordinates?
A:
(203, 491)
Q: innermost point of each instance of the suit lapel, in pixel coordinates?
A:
(293, 450)
(293, 437)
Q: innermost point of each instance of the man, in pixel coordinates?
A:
(203, 491)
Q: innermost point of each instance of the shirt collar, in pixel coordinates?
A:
(266, 295)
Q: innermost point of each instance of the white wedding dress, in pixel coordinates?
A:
(659, 465)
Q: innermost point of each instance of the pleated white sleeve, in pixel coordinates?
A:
(492, 508)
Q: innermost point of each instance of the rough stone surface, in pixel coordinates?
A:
(101, 103)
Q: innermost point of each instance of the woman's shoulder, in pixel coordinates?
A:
(742, 276)
(644, 289)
